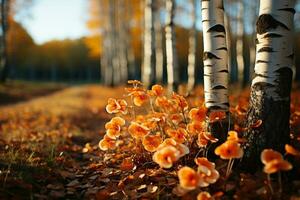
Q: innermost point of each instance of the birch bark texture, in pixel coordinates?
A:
(271, 86)
(149, 52)
(192, 49)
(172, 64)
(240, 43)
(159, 55)
(215, 56)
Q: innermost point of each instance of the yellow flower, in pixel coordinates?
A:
(178, 135)
(269, 155)
(113, 128)
(183, 149)
(204, 138)
(107, 143)
(195, 127)
(207, 171)
(139, 98)
(276, 166)
(166, 156)
(229, 150)
(274, 161)
(137, 130)
(180, 101)
(198, 114)
(151, 142)
(157, 90)
(291, 150)
(204, 196)
(116, 106)
(188, 178)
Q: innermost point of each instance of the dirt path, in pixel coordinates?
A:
(48, 146)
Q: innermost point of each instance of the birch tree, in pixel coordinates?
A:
(228, 42)
(172, 63)
(149, 53)
(215, 56)
(159, 56)
(271, 86)
(192, 49)
(240, 43)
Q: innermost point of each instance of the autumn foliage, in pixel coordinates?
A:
(171, 132)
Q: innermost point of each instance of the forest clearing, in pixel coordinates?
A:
(150, 99)
(49, 149)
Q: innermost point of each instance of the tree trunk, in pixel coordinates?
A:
(253, 7)
(122, 41)
(240, 44)
(4, 26)
(159, 56)
(228, 42)
(149, 53)
(215, 58)
(271, 86)
(192, 50)
(172, 63)
(116, 73)
(128, 41)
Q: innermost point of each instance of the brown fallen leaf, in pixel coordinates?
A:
(73, 183)
(57, 194)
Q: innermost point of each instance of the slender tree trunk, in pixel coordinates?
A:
(107, 58)
(4, 27)
(240, 43)
(172, 63)
(159, 56)
(122, 38)
(271, 86)
(116, 74)
(149, 53)
(228, 42)
(128, 42)
(192, 50)
(215, 58)
(254, 8)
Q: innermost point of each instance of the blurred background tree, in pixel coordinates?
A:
(112, 50)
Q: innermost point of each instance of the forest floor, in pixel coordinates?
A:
(49, 150)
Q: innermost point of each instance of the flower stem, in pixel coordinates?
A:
(229, 167)
(270, 184)
(280, 183)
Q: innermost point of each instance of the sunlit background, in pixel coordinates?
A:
(64, 40)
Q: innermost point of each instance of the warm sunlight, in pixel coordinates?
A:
(149, 99)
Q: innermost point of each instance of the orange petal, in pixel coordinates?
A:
(188, 178)
(269, 155)
(291, 150)
(204, 196)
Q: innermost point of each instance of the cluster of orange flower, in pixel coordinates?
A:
(166, 127)
(162, 130)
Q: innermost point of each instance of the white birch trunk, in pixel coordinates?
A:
(116, 74)
(228, 43)
(274, 49)
(254, 8)
(192, 50)
(148, 62)
(159, 56)
(240, 43)
(172, 65)
(271, 86)
(215, 55)
(122, 41)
